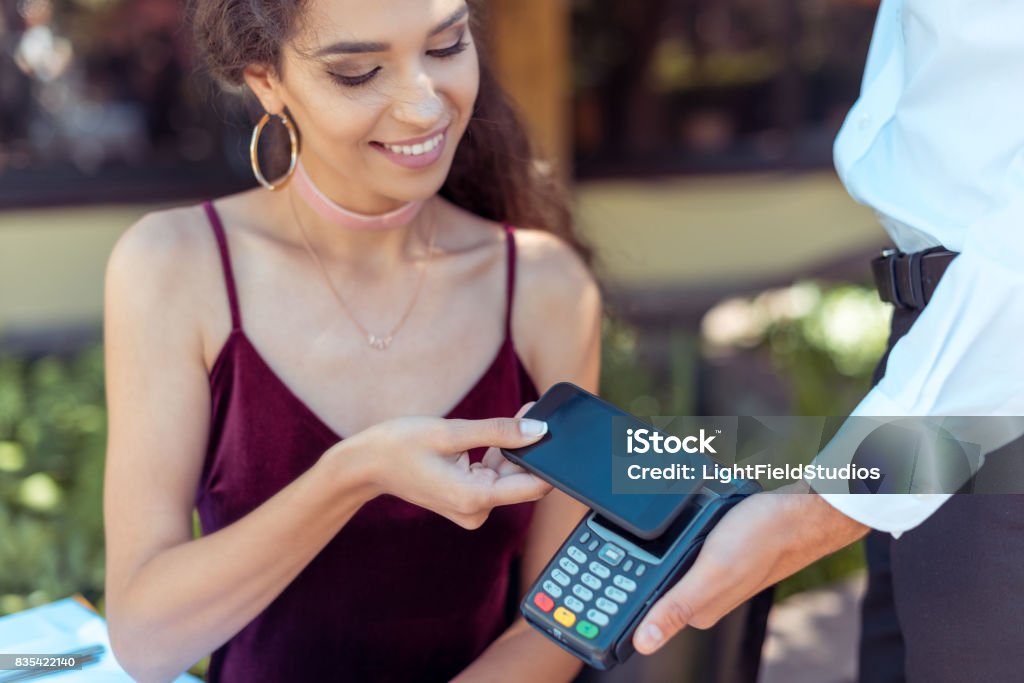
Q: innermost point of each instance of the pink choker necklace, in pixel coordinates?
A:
(341, 216)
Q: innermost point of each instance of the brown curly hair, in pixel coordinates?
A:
(496, 173)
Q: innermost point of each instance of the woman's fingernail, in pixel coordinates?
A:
(529, 427)
(651, 636)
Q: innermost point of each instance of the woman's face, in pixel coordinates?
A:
(382, 92)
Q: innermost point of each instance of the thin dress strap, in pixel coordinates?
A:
(225, 259)
(510, 270)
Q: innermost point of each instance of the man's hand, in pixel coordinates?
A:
(762, 540)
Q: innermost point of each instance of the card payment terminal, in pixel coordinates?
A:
(593, 593)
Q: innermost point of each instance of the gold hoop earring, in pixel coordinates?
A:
(254, 149)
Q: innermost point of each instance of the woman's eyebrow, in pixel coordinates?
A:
(360, 47)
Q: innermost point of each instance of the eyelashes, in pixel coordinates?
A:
(356, 81)
(353, 81)
(451, 51)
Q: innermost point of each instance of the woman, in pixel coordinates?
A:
(372, 284)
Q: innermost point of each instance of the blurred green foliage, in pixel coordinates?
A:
(52, 440)
(53, 434)
(829, 353)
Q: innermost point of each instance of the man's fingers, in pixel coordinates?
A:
(669, 615)
(682, 606)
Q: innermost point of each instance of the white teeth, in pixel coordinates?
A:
(416, 150)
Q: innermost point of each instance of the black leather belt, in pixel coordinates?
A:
(909, 280)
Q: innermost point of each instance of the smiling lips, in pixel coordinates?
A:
(416, 150)
(416, 153)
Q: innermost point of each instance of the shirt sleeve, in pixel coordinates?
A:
(964, 356)
(935, 144)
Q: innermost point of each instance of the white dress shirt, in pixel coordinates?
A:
(935, 145)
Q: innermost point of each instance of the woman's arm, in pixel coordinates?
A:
(557, 328)
(171, 599)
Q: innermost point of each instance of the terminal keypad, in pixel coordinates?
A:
(588, 585)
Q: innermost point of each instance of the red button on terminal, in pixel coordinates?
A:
(544, 601)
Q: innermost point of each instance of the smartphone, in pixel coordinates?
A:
(576, 456)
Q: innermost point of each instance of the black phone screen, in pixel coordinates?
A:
(576, 456)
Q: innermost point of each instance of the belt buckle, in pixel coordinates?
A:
(891, 257)
(917, 279)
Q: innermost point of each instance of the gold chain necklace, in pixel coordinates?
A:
(378, 342)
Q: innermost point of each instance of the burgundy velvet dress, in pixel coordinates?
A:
(400, 593)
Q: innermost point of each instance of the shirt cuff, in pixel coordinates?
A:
(892, 513)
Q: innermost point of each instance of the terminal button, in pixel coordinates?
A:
(606, 605)
(590, 581)
(612, 554)
(599, 570)
(624, 583)
(581, 592)
(552, 588)
(598, 617)
(543, 601)
(569, 566)
(615, 594)
(573, 603)
(576, 554)
(586, 629)
(561, 577)
(565, 617)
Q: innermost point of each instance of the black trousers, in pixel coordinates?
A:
(945, 601)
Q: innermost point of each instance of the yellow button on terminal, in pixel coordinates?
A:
(565, 617)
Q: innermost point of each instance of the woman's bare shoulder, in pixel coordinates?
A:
(547, 263)
(167, 265)
(158, 244)
(558, 308)
(166, 242)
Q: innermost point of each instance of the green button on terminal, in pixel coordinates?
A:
(586, 629)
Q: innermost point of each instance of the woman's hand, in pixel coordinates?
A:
(425, 461)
